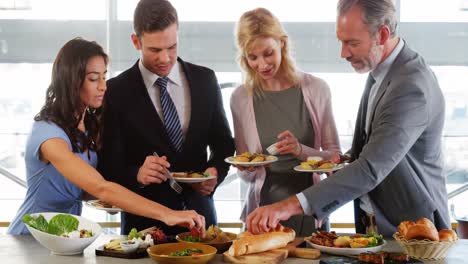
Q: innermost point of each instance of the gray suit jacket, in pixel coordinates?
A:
(400, 165)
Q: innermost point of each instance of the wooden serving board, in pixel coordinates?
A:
(275, 256)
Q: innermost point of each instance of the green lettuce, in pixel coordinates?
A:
(61, 224)
(133, 234)
(39, 223)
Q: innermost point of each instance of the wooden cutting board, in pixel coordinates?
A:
(275, 256)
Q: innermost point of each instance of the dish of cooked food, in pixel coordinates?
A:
(352, 244)
(190, 175)
(251, 159)
(318, 164)
(213, 235)
(187, 252)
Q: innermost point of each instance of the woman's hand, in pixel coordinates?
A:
(288, 144)
(187, 218)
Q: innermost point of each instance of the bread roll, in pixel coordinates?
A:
(447, 235)
(249, 244)
(427, 222)
(403, 227)
(422, 231)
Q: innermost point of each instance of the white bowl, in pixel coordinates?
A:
(129, 246)
(63, 245)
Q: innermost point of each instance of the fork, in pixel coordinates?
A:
(174, 185)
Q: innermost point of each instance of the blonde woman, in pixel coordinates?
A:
(278, 103)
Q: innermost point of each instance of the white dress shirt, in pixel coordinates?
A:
(178, 90)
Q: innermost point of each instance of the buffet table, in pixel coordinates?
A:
(25, 249)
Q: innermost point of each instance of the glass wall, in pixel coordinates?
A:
(31, 33)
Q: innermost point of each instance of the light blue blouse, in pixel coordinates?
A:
(48, 190)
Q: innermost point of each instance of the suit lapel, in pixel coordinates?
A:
(196, 104)
(385, 83)
(150, 124)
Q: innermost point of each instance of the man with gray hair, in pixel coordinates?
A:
(396, 173)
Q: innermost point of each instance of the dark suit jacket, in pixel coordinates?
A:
(400, 165)
(133, 130)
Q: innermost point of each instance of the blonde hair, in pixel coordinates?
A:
(261, 23)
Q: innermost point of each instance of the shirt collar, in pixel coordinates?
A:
(382, 69)
(149, 78)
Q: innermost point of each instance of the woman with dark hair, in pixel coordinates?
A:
(61, 148)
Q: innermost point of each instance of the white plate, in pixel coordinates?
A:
(92, 203)
(346, 251)
(270, 159)
(193, 180)
(337, 167)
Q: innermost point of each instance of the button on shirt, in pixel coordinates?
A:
(178, 89)
(379, 74)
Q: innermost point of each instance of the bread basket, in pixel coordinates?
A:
(424, 249)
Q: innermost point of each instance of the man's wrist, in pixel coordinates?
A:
(292, 206)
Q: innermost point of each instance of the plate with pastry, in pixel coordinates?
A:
(191, 177)
(248, 159)
(102, 205)
(318, 164)
(347, 244)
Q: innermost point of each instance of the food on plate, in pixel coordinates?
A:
(331, 239)
(424, 229)
(327, 166)
(145, 238)
(213, 235)
(342, 241)
(447, 235)
(251, 157)
(241, 159)
(59, 225)
(249, 243)
(187, 252)
(190, 175)
(318, 163)
(383, 257)
(314, 160)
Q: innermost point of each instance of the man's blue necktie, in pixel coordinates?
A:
(171, 119)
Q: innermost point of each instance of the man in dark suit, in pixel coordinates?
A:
(165, 105)
(397, 173)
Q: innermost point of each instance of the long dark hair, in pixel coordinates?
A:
(63, 105)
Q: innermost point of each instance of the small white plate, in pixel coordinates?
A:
(337, 167)
(193, 180)
(270, 159)
(94, 204)
(346, 251)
